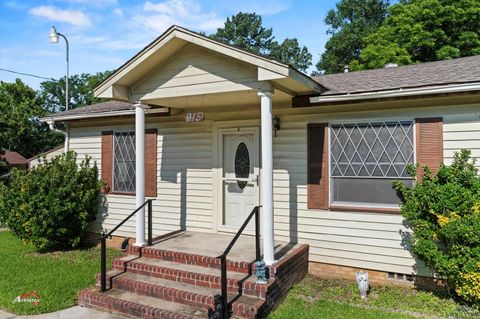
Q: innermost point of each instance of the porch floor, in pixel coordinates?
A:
(214, 244)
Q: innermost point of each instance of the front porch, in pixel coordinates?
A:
(179, 277)
(213, 245)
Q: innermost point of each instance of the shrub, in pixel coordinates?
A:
(51, 205)
(443, 211)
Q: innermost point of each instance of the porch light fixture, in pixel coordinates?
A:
(54, 38)
(276, 125)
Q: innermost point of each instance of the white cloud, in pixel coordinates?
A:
(74, 17)
(94, 3)
(118, 12)
(157, 17)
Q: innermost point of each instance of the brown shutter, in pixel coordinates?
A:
(107, 160)
(317, 157)
(151, 162)
(429, 140)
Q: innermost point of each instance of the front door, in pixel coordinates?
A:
(240, 163)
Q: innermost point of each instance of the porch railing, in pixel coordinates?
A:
(222, 300)
(104, 236)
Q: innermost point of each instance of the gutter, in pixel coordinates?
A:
(453, 88)
(51, 125)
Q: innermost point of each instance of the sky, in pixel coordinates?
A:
(103, 34)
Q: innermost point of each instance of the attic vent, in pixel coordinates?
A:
(390, 65)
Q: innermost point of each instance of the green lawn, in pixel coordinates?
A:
(314, 298)
(56, 277)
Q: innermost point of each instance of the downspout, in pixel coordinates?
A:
(51, 125)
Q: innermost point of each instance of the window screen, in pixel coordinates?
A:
(366, 158)
(124, 162)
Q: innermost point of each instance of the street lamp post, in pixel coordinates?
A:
(54, 39)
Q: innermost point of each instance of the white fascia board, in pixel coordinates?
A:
(453, 88)
(135, 60)
(305, 80)
(99, 115)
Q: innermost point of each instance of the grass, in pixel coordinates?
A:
(315, 298)
(56, 277)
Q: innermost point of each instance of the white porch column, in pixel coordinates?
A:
(267, 176)
(140, 172)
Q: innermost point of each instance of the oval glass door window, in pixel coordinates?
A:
(242, 164)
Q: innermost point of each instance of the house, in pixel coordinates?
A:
(48, 155)
(227, 130)
(14, 159)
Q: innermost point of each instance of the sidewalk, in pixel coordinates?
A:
(76, 312)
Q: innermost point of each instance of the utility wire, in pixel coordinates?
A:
(28, 74)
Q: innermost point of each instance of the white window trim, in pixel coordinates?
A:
(361, 121)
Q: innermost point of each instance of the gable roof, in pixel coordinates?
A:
(438, 73)
(14, 158)
(174, 38)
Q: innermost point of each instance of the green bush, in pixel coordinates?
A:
(444, 212)
(51, 205)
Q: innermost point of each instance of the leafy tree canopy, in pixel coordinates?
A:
(20, 130)
(245, 30)
(422, 31)
(349, 24)
(80, 91)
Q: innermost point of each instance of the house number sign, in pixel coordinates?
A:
(194, 117)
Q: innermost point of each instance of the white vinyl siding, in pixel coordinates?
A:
(196, 71)
(184, 172)
(186, 185)
(355, 239)
(48, 156)
(461, 132)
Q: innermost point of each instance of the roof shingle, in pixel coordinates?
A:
(463, 70)
(14, 158)
(108, 106)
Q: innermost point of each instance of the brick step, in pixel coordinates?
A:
(191, 274)
(192, 259)
(137, 306)
(178, 292)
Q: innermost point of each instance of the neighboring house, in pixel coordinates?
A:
(322, 171)
(48, 155)
(14, 159)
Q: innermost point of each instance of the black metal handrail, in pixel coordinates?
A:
(104, 236)
(223, 258)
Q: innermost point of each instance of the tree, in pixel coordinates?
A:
(21, 131)
(443, 210)
(424, 30)
(290, 53)
(51, 205)
(245, 30)
(80, 91)
(349, 24)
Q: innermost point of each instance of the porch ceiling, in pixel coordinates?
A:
(181, 63)
(227, 99)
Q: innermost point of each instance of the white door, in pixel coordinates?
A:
(240, 161)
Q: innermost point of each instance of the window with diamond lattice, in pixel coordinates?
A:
(124, 162)
(366, 158)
